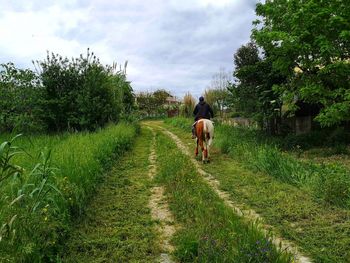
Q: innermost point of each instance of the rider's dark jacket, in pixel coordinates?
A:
(203, 111)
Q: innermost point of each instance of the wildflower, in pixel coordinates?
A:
(45, 219)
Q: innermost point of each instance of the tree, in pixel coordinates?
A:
(21, 97)
(81, 93)
(314, 37)
(160, 96)
(244, 91)
(217, 93)
(252, 93)
(152, 103)
(146, 103)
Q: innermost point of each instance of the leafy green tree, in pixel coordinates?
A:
(314, 37)
(82, 94)
(252, 93)
(146, 103)
(217, 94)
(244, 91)
(21, 95)
(152, 103)
(160, 96)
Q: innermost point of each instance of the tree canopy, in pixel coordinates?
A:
(309, 42)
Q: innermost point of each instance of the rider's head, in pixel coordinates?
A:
(201, 98)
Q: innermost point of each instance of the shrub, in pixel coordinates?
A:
(82, 94)
(77, 94)
(21, 96)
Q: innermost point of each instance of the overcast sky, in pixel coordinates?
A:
(177, 45)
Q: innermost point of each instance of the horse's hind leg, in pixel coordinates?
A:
(204, 152)
(196, 151)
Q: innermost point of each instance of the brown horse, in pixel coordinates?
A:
(205, 135)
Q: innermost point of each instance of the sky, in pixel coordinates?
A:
(176, 45)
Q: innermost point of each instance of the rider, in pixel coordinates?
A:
(201, 111)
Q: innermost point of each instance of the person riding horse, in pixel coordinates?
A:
(201, 111)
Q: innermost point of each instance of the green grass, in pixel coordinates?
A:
(321, 230)
(210, 232)
(117, 226)
(37, 206)
(329, 182)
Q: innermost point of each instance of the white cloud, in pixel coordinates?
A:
(27, 35)
(176, 44)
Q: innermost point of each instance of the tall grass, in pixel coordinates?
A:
(330, 183)
(52, 187)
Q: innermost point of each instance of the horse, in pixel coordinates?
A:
(205, 135)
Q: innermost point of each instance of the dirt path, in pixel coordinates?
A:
(249, 215)
(160, 210)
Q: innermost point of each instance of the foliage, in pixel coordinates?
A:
(188, 106)
(217, 93)
(217, 99)
(43, 190)
(244, 93)
(296, 213)
(152, 104)
(21, 95)
(76, 94)
(121, 202)
(269, 159)
(263, 154)
(82, 94)
(291, 35)
(253, 94)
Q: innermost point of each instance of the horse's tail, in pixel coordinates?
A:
(208, 129)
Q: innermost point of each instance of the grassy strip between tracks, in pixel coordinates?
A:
(117, 226)
(211, 231)
(321, 230)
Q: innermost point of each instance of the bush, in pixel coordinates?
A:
(77, 94)
(82, 94)
(21, 98)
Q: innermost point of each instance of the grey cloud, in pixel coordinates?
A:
(175, 45)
